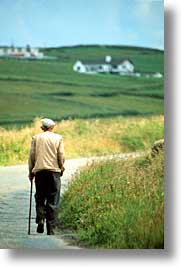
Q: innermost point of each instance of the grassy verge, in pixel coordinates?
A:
(117, 204)
(85, 138)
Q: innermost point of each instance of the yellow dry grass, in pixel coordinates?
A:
(82, 138)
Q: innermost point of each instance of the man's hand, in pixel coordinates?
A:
(62, 171)
(31, 176)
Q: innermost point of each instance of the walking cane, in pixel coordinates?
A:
(29, 223)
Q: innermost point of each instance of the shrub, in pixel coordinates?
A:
(139, 136)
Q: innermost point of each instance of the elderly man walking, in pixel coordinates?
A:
(46, 164)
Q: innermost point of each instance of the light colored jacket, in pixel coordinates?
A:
(46, 153)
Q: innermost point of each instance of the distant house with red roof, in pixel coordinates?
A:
(21, 52)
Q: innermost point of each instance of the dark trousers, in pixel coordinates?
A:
(47, 196)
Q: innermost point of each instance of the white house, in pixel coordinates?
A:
(108, 65)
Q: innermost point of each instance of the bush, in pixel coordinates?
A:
(139, 136)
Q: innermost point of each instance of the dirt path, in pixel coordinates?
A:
(14, 207)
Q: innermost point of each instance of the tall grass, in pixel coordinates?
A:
(85, 138)
(117, 204)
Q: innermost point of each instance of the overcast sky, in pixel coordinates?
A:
(72, 22)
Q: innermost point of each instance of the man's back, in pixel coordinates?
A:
(47, 152)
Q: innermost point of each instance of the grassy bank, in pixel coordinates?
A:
(85, 138)
(117, 204)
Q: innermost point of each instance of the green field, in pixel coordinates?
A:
(50, 88)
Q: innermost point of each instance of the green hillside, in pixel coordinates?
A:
(30, 89)
(145, 60)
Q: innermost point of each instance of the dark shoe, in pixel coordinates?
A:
(40, 228)
(50, 230)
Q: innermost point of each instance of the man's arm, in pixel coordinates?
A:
(61, 156)
(31, 160)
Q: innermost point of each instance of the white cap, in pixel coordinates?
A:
(47, 123)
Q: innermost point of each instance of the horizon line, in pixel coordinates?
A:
(88, 45)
